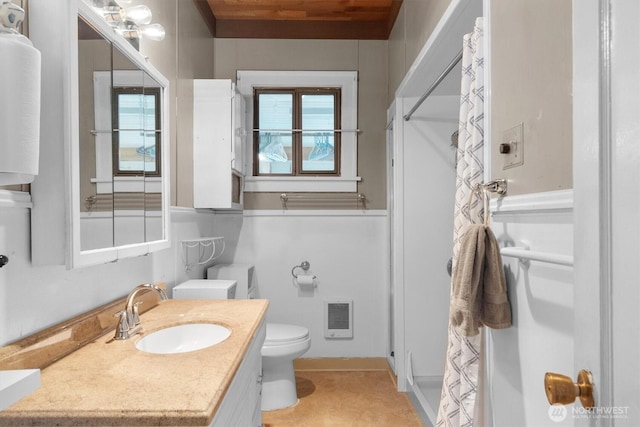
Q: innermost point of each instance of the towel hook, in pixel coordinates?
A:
(498, 186)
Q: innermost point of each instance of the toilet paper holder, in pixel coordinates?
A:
(304, 265)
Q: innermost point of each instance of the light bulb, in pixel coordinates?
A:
(114, 15)
(141, 14)
(153, 32)
(129, 31)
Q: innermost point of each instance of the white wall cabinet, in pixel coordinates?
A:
(219, 135)
(241, 405)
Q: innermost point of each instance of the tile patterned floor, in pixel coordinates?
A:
(345, 399)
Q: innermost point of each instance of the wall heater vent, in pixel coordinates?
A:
(338, 318)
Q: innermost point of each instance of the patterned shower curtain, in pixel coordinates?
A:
(460, 385)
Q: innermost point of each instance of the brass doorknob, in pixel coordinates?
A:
(561, 389)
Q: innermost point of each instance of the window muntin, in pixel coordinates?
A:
(296, 131)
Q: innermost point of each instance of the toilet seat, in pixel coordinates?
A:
(283, 334)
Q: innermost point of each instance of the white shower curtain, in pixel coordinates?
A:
(460, 385)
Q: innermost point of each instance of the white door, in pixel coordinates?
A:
(607, 207)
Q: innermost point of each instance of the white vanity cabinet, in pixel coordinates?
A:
(219, 135)
(241, 405)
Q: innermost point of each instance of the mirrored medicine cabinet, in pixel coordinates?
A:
(114, 138)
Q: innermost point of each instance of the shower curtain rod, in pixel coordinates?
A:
(434, 85)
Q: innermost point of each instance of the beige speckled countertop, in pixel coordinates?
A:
(109, 382)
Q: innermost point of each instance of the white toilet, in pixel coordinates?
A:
(283, 343)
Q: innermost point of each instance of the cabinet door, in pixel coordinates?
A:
(215, 183)
(239, 132)
(243, 399)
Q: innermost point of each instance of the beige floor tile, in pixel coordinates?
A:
(345, 399)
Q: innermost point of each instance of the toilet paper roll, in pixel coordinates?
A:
(19, 109)
(305, 280)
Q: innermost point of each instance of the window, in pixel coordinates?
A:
(137, 131)
(298, 117)
(294, 131)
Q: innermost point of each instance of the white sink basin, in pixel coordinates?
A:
(183, 338)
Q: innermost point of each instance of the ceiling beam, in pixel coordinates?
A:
(207, 15)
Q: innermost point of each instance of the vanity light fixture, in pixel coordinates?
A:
(153, 32)
(140, 14)
(133, 23)
(131, 31)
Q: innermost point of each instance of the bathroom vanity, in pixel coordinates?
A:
(111, 382)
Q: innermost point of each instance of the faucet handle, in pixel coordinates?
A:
(122, 329)
(136, 314)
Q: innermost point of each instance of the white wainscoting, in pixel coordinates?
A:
(541, 296)
(348, 253)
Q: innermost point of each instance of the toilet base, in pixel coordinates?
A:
(278, 384)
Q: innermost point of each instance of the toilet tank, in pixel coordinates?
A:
(205, 289)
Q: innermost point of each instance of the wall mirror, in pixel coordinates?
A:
(120, 146)
(103, 190)
(122, 196)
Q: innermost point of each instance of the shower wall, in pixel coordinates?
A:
(428, 169)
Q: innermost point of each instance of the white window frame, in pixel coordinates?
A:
(347, 81)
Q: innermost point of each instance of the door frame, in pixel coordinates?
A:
(592, 157)
(391, 298)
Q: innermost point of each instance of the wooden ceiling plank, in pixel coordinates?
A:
(300, 30)
(333, 19)
(302, 4)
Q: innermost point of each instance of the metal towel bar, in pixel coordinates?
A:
(358, 198)
(525, 254)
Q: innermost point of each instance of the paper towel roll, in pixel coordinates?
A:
(19, 109)
(305, 281)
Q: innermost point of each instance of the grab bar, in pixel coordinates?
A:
(525, 254)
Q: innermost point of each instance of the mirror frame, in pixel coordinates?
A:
(97, 256)
(55, 217)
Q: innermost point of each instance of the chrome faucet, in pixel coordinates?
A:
(129, 318)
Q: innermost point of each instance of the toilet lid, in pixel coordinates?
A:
(280, 332)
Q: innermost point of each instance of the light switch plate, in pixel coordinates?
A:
(514, 137)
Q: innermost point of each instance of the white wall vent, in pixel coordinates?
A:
(338, 318)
